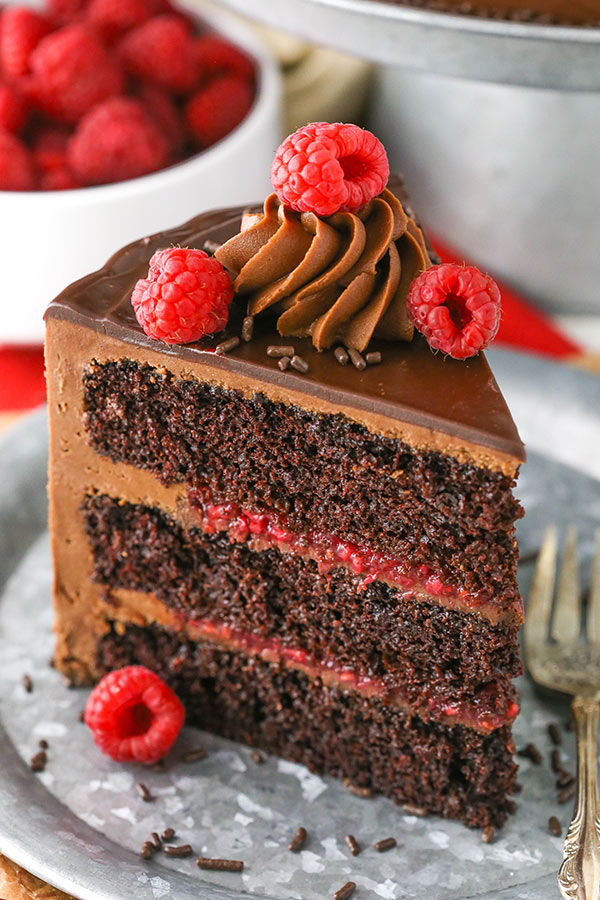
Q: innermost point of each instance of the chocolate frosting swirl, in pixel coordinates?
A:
(344, 278)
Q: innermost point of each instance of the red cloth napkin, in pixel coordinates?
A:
(22, 383)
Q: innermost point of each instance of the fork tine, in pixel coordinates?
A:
(566, 622)
(593, 618)
(540, 596)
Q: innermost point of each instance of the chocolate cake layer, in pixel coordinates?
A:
(319, 472)
(451, 771)
(436, 658)
(542, 12)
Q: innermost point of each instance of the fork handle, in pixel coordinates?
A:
(579, 874)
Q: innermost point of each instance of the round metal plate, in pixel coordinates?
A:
(460, 46)
(80, 823)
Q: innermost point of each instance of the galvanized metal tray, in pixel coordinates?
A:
(460, 46)
(79, 824)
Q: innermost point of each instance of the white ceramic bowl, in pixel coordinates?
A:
(49, 239)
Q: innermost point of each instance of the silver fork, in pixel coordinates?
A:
(565, 656)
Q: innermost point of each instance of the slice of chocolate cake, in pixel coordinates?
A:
(318, 557)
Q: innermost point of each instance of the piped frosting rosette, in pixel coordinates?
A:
(342, 278)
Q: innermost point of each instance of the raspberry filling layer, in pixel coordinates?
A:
(488, 710)
(329, 551)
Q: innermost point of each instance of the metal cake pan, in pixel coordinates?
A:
(459, 46)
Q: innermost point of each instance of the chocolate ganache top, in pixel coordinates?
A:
(343, 278)
(412, 384)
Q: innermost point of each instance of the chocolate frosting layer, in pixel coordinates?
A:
(412, 384)
(341, 278)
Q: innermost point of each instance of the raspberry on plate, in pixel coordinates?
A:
(457, 308)
(185, 296)
(116, 140)
(327, 168)
(72, 72)
(134, 716)
(161, 51)
(16, 168)
(13, 108)
(21, 30)
(217, 108)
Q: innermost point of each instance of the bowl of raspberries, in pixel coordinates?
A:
(119, 118)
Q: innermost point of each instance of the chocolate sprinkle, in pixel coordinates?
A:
(567, 792)
(298, 841)
(147, 850)
(345, 891)
(194, 755)
(299, 364)
(511, 806)
(356, 358)
(284, 363)
(555, 762)
(341, 356)
(27, 683)
(414, 810)
(555, 735)
(257, 757)
(277, 350)
(38, 762)
(179, 852)
(554, 826)
(353, 845)
(220, 865)
(229, 344)
(43, 744)
(247, 328)
(373, 359)
(564, 779)
(488, 834)
(156, 841)
(81, 716)
(385, 844)
(144, 792)
(168, 834)
(357, 790)
(531, 752)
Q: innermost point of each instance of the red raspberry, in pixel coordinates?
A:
(324, 168)
(65, 11)
(112, 17)
(50, 149)
(457, 308)
(161, 51)
(216, 56)
(16, 168)
(163, 111)
(184, 297)
(59, 179)
(216, 109)
(116, 141)
(134, 716)
(13, 108)
(72, 72)
(21, 30)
